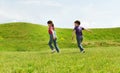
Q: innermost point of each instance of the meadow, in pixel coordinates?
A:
(95, 60)
(24, 49)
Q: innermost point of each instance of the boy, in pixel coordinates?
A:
(79, 35)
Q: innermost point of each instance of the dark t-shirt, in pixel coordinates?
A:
(78, 30)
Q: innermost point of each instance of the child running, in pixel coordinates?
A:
(53, 38)
(79, 35)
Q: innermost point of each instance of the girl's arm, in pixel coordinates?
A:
(54, 36)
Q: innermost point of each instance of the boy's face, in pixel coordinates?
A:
(76, 24)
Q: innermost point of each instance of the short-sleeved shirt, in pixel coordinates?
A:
(50, 30)
(78, 30)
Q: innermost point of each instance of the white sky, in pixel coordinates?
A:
(92, 13)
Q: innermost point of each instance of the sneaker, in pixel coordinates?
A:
(53, 51)
(83, 51)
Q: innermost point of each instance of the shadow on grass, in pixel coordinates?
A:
(61, 53)
(70, 53)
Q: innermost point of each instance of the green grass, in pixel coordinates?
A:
(32, 37)
(24, 49)
(95, 60)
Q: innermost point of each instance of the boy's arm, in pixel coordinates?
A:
(87, 30)
(73, 34)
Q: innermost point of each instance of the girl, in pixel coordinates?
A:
(53, 38)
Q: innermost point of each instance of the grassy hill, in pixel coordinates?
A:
(26, 37)
(24, 49)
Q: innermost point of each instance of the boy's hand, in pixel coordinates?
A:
(88, 30)
(72, 38)
(73, 34)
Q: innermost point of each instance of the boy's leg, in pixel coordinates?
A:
(56, 47)
(50, 42)
(81, 45)
(79, 41)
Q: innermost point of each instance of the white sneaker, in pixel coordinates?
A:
(83, 51)
(53, 50)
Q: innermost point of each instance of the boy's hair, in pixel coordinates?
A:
(77, 22)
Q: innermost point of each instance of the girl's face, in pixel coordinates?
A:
(49, 25)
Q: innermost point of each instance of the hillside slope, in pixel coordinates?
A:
(26, 37)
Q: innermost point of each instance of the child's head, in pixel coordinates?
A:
(50, 23)
(77, 23)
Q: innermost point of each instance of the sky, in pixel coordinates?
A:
(91, 13)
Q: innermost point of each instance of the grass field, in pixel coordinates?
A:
(95, 60)
(31, 37)
(24, 49)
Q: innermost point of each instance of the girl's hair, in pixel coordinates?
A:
(51, 22)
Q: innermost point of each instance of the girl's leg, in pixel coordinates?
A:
(55, 44)
(50, 42)
(79, 41)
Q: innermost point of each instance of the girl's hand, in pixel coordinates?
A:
(54, 38)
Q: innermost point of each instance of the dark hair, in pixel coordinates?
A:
(77, 22)
(50, 22)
